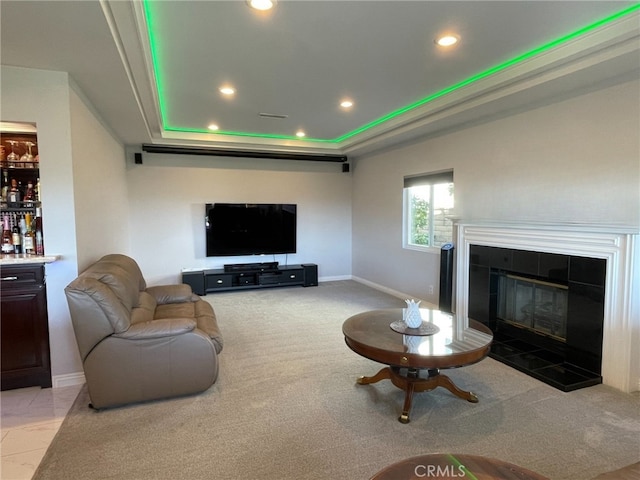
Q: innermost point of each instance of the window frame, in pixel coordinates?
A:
(427, 179)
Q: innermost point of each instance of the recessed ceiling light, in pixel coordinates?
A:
(261, 4)
(226, 90)
(447, 40)
(346, 104)
(300, 134)
(213, 126)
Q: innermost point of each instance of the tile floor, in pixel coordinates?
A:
(30, 418)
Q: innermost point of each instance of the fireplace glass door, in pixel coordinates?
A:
(533, 304)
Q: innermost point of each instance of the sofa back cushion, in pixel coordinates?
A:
(95, 312)
(102, 299)
(129, 265)
(116, 279)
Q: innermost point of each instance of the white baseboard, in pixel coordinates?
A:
(334, 279)
(395, 293)
(68, 380)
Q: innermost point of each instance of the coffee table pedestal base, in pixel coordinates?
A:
(412, 382)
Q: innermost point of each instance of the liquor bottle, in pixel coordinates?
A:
(29, 194)
(38, 232)
(13, 194)
(16, 239)
(7, 238)
(23, 230)
(5, 184)
(29, 243)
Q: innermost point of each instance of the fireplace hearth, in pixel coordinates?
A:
(546, 311)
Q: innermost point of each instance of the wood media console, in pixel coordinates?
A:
(253, 275)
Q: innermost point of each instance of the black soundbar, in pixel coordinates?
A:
(250, 267)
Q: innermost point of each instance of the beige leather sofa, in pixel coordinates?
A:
(139, 343)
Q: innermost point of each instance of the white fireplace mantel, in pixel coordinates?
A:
(617, 245)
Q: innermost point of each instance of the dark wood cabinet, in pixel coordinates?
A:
(25, 356)
(219, 280)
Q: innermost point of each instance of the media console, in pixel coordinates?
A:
(245, 276)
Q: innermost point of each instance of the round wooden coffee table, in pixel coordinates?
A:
(414, 361)
(453, 466)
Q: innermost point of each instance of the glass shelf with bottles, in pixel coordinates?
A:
(19, 196)
(22, 207)
(18, 165)
(22, 233)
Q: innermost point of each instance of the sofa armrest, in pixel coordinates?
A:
(165, 327)
(180, 293)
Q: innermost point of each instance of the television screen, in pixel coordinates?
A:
(250, 229)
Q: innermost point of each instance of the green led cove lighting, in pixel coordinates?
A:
(487, 73)
(243, 134)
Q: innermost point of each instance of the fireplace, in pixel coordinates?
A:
(546, 312)
(536, 305)
(593, 265)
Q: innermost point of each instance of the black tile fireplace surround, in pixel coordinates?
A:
(568, 361)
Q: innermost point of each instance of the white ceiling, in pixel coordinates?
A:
(305, 56)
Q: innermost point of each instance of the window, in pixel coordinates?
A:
(428, 202)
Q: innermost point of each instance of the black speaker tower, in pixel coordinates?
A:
(446, 278)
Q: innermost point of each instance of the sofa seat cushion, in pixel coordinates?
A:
(200, 311)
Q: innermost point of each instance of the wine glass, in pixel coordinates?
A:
(13, 156)
(28, 157)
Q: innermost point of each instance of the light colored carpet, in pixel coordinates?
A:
(287, 406)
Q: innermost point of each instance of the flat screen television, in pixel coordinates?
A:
(250, 229)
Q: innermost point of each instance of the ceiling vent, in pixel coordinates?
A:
(272, 115)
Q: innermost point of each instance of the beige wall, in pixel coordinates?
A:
(576, 161)
(167, 205)
(99, 185)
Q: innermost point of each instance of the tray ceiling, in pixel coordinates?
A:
(153, 69)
